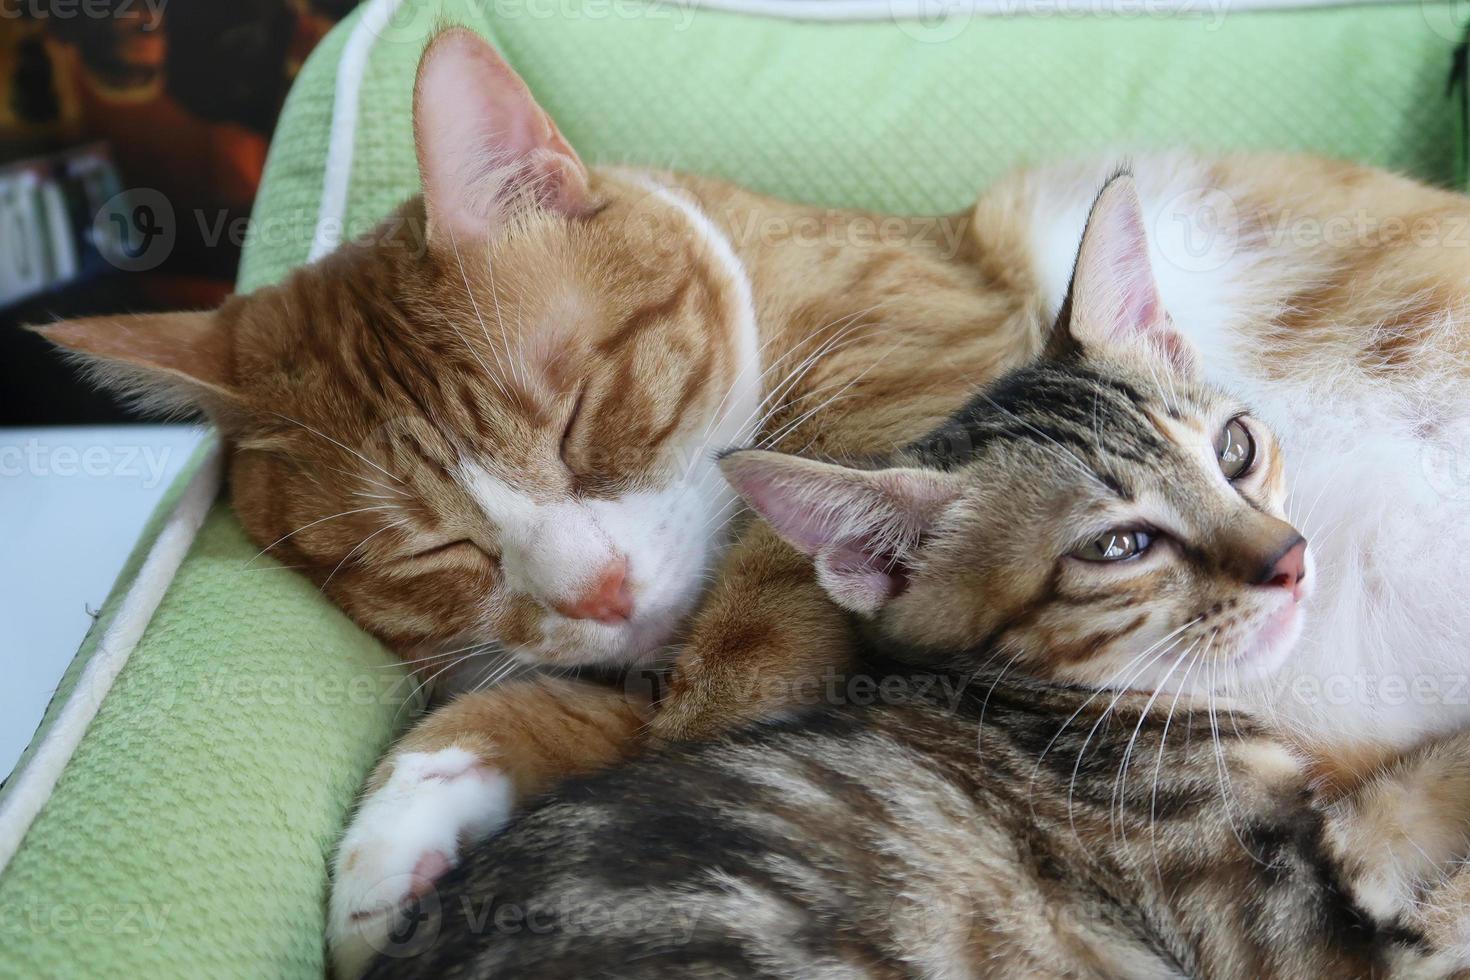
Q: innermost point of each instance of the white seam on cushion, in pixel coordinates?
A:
(337, 172)
(868, 10)
(35, 781)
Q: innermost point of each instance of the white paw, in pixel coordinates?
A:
(403, 837)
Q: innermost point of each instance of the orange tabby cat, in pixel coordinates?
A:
(487, 430)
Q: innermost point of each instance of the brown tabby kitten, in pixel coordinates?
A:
(486, 429)
(977, 805)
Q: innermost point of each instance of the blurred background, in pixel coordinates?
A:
(112, 112)
(174, 99)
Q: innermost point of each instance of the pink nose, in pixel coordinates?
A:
(607, 601)
(1288, 571)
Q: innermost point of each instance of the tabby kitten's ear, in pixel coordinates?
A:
(483, 143)
(1113, 303)
(860, 527)
(174, 363)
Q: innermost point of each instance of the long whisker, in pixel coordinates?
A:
(1122, 692)
(360, 544)
(493, 376)
(1153, 805)
(1222, 770)
(320, 520)
(339, 445)
(1121, 784)
(1104, 687)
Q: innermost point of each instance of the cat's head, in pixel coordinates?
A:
(492, 419)
(1102, 516)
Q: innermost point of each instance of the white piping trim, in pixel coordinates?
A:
(337, 171)
(934, 12)
(38, 777)
(36, 780)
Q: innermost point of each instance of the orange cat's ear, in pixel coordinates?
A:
(860, 527)
(166, 361)
(1114, 301)
(483, 142)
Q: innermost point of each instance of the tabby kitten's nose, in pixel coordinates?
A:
(608, 601)
(1288, 569)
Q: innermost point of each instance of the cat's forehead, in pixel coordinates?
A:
(1079, 420)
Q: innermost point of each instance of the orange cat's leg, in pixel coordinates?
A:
(454, 779)
(767, 640)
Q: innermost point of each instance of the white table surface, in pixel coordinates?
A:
(72, 502)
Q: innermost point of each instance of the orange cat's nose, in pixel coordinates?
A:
(608, 601)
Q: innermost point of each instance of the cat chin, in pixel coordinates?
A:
(584, 644)
(1270, 649)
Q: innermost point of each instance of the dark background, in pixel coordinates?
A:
(181, 97)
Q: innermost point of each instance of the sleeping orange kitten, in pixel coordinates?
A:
(491, 441)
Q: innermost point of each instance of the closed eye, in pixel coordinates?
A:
(464, 546)
(566, 434)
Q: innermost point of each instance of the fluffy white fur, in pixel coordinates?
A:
(432, 801)
(1371, 463)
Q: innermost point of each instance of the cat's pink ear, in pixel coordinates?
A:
(860, 527)
(1114, 300)
(483, 143)
(167, 361)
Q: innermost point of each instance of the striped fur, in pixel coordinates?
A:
(1003, 811)
(364, 401)
(967, 826)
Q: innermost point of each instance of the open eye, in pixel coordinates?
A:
(1236, 449)
(566, 433)
(1118, 544)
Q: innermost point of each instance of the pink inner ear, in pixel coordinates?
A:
(1136, 305)
(802, 525)
(858, 580)
(1115, 298)
(483, 140)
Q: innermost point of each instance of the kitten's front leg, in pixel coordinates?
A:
(454, 779)
(766, 640)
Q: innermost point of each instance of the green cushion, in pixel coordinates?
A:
(196, 819)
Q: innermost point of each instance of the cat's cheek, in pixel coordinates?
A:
(404, 836)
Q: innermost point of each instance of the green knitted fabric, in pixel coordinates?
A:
(191, 832)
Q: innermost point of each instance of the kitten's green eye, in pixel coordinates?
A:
(1236, 449)
(1115, 545)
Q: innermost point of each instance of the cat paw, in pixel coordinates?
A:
(403, 837)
